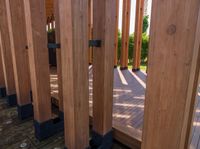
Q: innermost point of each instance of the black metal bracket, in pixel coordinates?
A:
(94, 43)
(53, 45)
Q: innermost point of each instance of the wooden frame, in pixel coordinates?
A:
(74, 55)
(116, 35)
(125, 34)
(174, 67)
(90, 29)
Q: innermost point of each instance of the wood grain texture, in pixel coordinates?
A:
(74, 55)
(138, 34)
(38, 58)
(2, 80)
(58, 54)
(90, 29)
(172, 73)
(49, 5)
(6, 46)
(125, 33)
(104, 30)
(17, 31)
(116, 34)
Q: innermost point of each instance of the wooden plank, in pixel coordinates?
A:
(174, 60)
(49, 5)
(138, 34)
(2, 80)
(125, 33)
(104, 20)
(74, 44)
(90, 29)
(58, 54)
(6, 51)
(38, 58)
(116, 35)
(17, 32)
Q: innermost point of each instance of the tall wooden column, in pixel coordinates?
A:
(104, 20)
(39, 69)
(174, 60)
(6, 46)
(17, 32)
(116, 35)
(138, 35)
(74, 55)
(58, 54)
(90, 29)
(2, 80)
(125, 34)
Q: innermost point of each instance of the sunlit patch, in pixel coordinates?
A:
(54, 85)
(53, 92)
(53, 75)
(138, 79)
(197, 110)
(122, 90)
(144, 72)
(123, 80)
(198, 94)
(138, 97)
(121, 116)
(128, 105)
(196, 123)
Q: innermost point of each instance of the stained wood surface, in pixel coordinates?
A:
(116, 34)
(2, 80)
(49, 5)
(103, 62)
(17, 27)
(74, 56)
(6, 46)
(138, 34)
(173, 70)
(58, 53)
(90, 29)
(38, 58)
(125, 33)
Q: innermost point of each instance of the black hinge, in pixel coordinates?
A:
(94, 43)
(53, 45)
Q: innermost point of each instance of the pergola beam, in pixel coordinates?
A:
(74, 55)
(174, 60)
(116, 35)
(2, 80)
(138, 35)
(104, 20)
(125, 34)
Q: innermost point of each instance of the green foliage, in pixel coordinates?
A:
(145, 46)
(145, 23)
(119, 44)
(131, 47)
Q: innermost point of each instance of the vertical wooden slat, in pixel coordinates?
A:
(38, 58)
(74, 55)
(125, 34)
(58, 54)
(2, 80)
(90, 28)
(16, 24)
(6, 51)
(104, 30)
(174, 60)
(116, 35)
(138, 34)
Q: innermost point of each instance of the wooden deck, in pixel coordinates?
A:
(128, 106)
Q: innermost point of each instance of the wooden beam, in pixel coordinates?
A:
(138, 35)
(74, 45)
(125, 33)
(58, 54)
(174, 60)
(6, 46)
(17, 32)
(104, 20)
(116, 35)
(90, 29)
(2, 80)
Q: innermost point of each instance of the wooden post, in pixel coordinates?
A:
(16, 24)
(44, 125)
(58, 55)
(138, 35)
(104, 20)
(116, 35)
(74, 45)
(2, 80)
(6, 46)
(174, 60)
(90, 29)
(125, 34)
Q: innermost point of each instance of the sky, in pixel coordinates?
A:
(133, 7)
